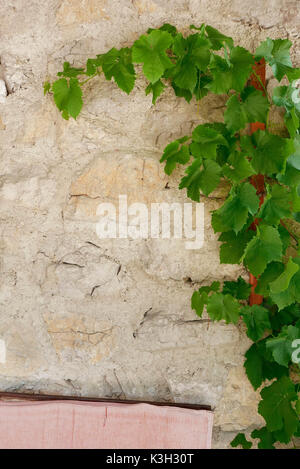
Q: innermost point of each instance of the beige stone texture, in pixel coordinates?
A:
(111, 318)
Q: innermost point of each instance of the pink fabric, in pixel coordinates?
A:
(87, 425)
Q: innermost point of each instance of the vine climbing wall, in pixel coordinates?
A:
(111, 318)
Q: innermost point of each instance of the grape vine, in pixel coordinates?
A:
(261, 234)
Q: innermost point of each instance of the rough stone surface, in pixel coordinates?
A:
(110, 318)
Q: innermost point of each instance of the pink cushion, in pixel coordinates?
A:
(87, 425)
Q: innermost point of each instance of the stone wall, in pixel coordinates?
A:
(111, 318)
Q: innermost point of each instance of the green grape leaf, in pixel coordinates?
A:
(292, 122)
(193, 55)
(281, 346)
(186, 76)
(266, 438)
(259, 365)
(218, 39)
(277, 205)
(118, 64)
(277, 54)
(201, 176)
(206, 141)
(271, 273)
(276, 407)
(151, 52)
(297, 433)
(283, 97)
(223, 307)
(253, 108)
(240, 440)
(221, 74)
(234, 245)
(285, 238)
(296, 199)
(181, 93)
(214, 287)
(239, 289)
(93, 64)
(296, 217)
(210, 177)
(156, 88)
(281, 61)
(47, 87)
(70, 72)
(234, 212)
(255, 104)
(193, 179)
(200, 297)
(237, 167)
(198, 301)
(198, 51)
(235, 116)
(265, 247)
(254, 366)
(285, 317)
(262, 144)
(242, 62)
(165, 27)
(201, 28)
(231, 73)
(282, 282)
(175, 152)
(293, 73)
(68, 97)
(291, 294)
(294, 158)
(291, 177)
(257, 321)
(202, 81)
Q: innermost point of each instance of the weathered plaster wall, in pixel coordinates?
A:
(134, 335)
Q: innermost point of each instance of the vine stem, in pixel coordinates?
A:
(261, 83)
(257, 181)
(81, 83)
